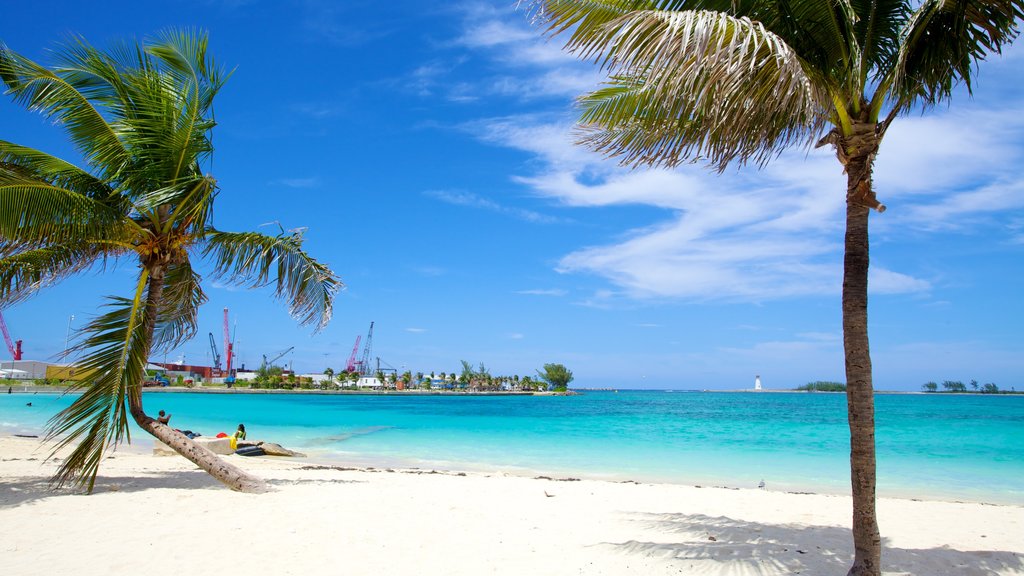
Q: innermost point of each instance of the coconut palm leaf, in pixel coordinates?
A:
(178, 313)
(35, 213)
(33, 164)
(113, 352)
(253, 260)
(701, 85)
(25, 273)
(945, 39)
(57, 97)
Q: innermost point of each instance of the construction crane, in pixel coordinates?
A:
(351, 366)
(14, 347)
(364, 363)
(269, 363)
(216, 353)
(229, 348)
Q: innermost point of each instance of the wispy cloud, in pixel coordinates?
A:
(416, 330)
(318, 110)
(543, 292)
(474, 201)
(308, 182)
(754, 235)
(746, 235)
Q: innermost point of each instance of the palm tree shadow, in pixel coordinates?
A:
(755, 549)
(17, 491)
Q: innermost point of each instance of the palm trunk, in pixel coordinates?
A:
(232, 476)
(859, 393)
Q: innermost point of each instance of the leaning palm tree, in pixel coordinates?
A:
(141, 117)
(724, 81)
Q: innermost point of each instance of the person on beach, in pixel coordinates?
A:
(240, 433)
(163, 418)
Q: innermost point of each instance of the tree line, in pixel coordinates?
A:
(958, 387)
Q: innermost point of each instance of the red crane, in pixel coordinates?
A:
(228, 345)
(15, 346)
(351, 366)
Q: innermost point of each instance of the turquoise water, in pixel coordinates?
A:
(963, 447)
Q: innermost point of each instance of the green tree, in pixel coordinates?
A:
(141, 118)
(557, 376)
(990, 388)
(724, 81)
(954, 386)
(929, 386)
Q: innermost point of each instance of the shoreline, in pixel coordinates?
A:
(678, 467)
(61, 390)
(144, 445)
(174, 519)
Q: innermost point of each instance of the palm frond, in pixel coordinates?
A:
(179, 308)
(113, 355)
(878, 25)
(943, 42)
(35, 214)
(251, 259)
(33, 164)
(57, 97)
(24, 273)
(727, 87)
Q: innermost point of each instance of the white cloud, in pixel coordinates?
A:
(474, 201)
(753, 234)
(416, 330)
(543, 292)
(747, 234)
(309, 182)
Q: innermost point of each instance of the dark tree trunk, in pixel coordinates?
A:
(859, 390)
(232, 476)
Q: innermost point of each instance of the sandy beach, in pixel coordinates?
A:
(160, 515)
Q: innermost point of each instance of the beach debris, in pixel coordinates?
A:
(548, 495)
(712, 538)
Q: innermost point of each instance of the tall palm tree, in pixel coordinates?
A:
(726, 81)
(141, 117)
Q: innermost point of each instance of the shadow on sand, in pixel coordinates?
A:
(760, 549)
(16, 491)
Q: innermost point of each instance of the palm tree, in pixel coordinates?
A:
(141, 116)
(740, 80)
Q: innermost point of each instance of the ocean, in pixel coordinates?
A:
(948, 447)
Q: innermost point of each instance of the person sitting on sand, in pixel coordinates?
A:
(163, 418)
(240, 433)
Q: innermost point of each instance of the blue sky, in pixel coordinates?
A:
(429, 153)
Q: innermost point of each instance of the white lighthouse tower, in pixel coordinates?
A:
(757, 383)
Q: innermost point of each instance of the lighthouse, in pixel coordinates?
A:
(757, 382)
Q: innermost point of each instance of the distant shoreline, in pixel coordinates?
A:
(32, 388)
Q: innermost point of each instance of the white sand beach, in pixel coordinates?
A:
(160, 515)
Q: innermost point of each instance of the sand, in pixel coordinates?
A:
(160, 515)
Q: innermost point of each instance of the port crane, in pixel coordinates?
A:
(215, 352)
(351, 365)
(364, 362)
(14, 347)
(269, 363)
(229, 350)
